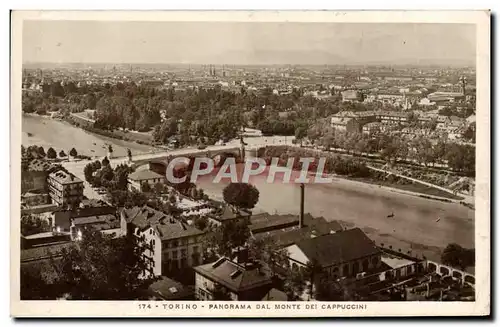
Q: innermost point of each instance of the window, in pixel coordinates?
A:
(174, 255)
(195, 249)
(183, 253)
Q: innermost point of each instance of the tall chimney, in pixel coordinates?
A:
(301, 217)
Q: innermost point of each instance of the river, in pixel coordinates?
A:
(421, 225)
(61, 135)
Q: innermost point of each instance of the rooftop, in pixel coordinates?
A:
(236, 277)
(64, 178)
(228, 214)
(166, 226)
(144, 175)
(275, 295)
(100, 222)
(314, 227)
(62, 218)
(344, 246)
(43, 252)
(168, 289)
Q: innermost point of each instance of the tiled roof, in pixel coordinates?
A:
(229, 214)
(340, 247)
(313, 227)
(144, 175)
(63, 218)
(169, 289)
(64, 178)
(43, 252)
(167, 227)
(99, 222)
(236, 277)
(275, 295)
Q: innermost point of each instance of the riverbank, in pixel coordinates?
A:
(61, 134)
(420, 225)
(139, 138)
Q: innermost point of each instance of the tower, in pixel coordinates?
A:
(463, 81)
(302, 198)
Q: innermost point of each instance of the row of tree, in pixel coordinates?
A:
(459, 157)
(34, 152)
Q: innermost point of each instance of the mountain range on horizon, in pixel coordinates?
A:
(278, 58)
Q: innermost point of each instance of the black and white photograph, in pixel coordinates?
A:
(285, 166)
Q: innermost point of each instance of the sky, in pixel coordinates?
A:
(247, 43)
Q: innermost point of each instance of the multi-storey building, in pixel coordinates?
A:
(171, 244)
(65, 189)
(138, 179)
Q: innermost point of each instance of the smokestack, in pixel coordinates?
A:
(301, 217)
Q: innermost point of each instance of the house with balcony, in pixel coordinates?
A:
(65, 189)
(171, 244)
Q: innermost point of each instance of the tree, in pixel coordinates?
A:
(110, 149)
(62, 154)
(73, 152)
(121, 176)
(34, 284)
(300, 133)
(293, 284)
(457, 256)
(41, 151)
(88, 172)
(265, 250)
(228, 236)
(172, 199)
(129, 154)
(51, 153)
(201, 222)
(145, 187)
(241, 195)
(102, 268)
(105, 162)
(159, 188)
(33, 224)
(313, 274)
(335, 290)
(461, 158)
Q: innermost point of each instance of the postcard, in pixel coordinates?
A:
(250, 163)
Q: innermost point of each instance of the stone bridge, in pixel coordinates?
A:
(160, 164)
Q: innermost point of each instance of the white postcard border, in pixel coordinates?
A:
(133, 308)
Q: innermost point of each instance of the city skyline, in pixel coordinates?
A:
(237, 43)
